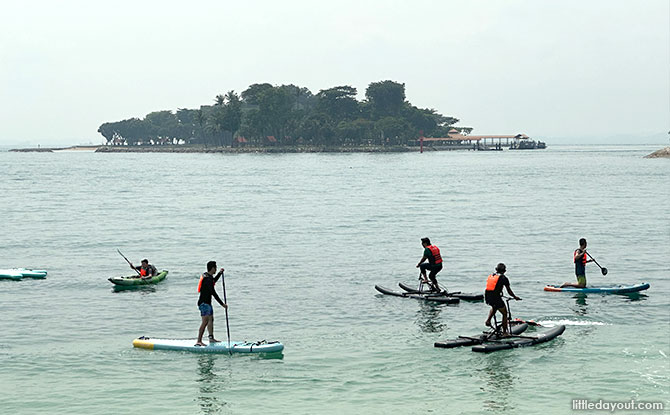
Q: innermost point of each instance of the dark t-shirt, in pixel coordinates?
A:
(151, 270)
(502, 282)
(207, 290)
(429, 254)
(580, 266)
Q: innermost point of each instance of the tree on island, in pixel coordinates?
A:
(264, 115)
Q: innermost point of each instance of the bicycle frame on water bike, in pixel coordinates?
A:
(497, 328)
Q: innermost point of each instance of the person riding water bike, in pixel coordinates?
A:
(434, 264)
(493, 296)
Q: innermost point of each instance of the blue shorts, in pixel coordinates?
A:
(206, 309)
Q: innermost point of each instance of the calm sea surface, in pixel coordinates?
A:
(304, 238)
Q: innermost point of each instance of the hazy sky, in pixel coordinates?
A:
(545, 68)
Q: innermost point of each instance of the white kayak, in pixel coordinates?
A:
(188, 345)
(18, 273)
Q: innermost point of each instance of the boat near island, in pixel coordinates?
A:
(527, 144)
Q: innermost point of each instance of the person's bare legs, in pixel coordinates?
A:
(210, 329)
(505, 321)
(488, 319)
(201, 330)
(433, 281)
(572, 284)
(423, 276)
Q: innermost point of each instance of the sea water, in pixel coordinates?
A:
(304, 238)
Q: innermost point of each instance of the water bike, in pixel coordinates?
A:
(443, 290)
(493, 340)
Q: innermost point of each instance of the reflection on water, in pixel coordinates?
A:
(637, 296)
(210, 386)
(580, 304)
(499, 382)
(427, 318)
(142, 289)
(268, 356)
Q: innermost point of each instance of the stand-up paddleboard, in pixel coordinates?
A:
(18, 273)
(188, 345)
(617, 289)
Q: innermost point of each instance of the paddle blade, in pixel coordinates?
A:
(604, 271)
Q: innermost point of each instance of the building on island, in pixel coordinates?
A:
(456, 140)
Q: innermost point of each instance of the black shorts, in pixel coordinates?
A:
(434, 269)
(493, 300)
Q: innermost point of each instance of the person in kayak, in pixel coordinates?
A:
(434, 264)
(146, 269)
(207, 291)
(493, 296)
(580, 258)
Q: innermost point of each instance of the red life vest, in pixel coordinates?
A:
(576, 257)
(200, 282)
(491, 282)
(143, 272)
(436, 253)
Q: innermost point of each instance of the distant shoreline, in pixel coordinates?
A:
(54, 149)
(662, 153)
(243, 150)
(252, 149)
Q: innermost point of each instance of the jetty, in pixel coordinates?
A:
(456, 140)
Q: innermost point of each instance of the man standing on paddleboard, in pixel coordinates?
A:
(432, 254)
(579, 257)
(206, 290)
(493, 296)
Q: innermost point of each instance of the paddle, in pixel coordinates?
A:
(602, 269)
(225, 300)
(129, 263)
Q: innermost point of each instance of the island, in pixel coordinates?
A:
(290, 118)
(662, 153)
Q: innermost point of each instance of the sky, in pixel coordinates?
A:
(563, 70)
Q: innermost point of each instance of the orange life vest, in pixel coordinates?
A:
(576, 257)
(436, 253)
(143, 272)
(200, 282)
(491, 282)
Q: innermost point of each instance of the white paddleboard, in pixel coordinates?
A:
(188, 345)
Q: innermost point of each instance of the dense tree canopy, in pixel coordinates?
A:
(264, 114)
